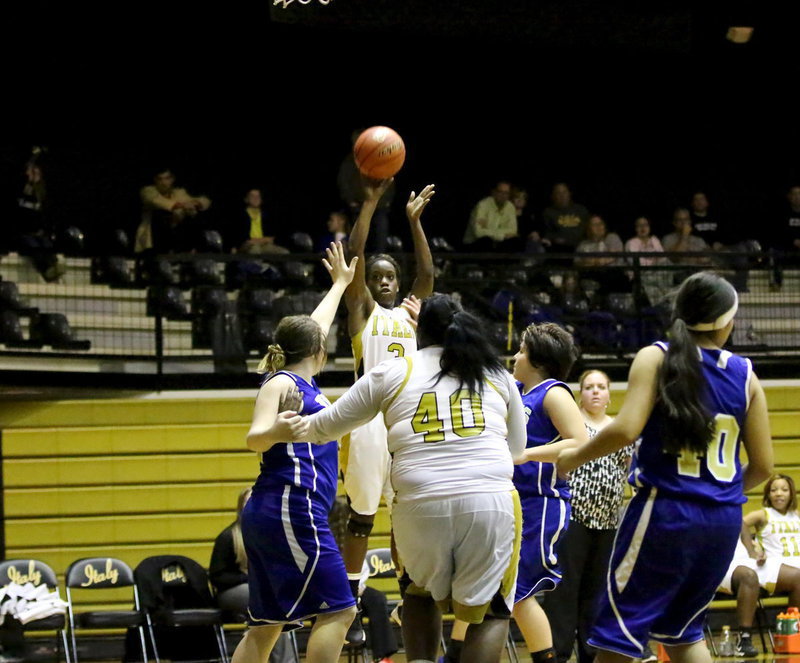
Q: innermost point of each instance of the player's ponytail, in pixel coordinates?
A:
(296, 337)
(467, 354)
(704, 303)
(274, 360)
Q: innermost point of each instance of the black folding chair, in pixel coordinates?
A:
(38, 573)
(94, 573)
(174, 594)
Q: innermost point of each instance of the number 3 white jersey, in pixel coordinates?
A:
(444, 442)
(780, 537)
(386, 334)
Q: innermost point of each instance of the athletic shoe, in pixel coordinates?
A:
(397, 614)
(745, 647)
(647, 655)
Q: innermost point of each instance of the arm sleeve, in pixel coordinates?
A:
(517, 432)
(355, 408)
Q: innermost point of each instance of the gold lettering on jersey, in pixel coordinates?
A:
(783, 527)
(173, 574)
(397, 329)
(379, 566)
(384, 325)
(94, 577)
(17, 576)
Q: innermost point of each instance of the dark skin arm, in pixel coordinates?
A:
(357, 297)
(423, 282)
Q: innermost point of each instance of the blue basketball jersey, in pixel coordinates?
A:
(311, 466)
(532, 479)
(717, 475)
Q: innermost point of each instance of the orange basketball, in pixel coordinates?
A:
(379, 152)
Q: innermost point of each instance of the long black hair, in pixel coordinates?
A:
(467, 353)
(700, 306)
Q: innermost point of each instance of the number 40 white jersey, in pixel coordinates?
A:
(444, 441)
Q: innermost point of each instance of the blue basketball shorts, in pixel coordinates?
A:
(544, 522)
(295, 569)
(668, 559)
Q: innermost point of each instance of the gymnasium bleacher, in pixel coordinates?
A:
(147, 473)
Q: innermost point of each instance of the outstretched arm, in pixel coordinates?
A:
(341, 275)
(423, 281)
(357, 296)
(633, 415)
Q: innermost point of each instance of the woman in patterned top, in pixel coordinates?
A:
(597, 491)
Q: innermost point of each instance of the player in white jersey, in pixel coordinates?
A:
(777, 525)
(379, 331)
(455, 423)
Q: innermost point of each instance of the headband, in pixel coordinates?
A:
(721, 321)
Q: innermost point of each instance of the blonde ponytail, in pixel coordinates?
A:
(274, 360)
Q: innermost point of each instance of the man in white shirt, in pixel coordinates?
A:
(493, 222)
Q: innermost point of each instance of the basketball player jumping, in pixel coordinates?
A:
(379, 330)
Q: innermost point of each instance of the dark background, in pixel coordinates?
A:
(635, 104)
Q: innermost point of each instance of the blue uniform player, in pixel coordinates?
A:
(692, 403)
(295, 570)
(554, 423)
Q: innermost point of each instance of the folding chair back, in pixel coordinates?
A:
(93, 573)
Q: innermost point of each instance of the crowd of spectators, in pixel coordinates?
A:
(173, 220)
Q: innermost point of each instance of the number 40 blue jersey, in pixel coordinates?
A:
(716, 476)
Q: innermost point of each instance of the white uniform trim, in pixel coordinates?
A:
(622, 574)
(300, 558)
(316, 556)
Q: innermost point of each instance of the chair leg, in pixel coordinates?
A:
(763, 623)
(711, 644)
(152, 636)
(65, 643)
(511, 647)
(143, 643)
(295, 649)
(223, 649)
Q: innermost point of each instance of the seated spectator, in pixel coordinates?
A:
(654, 283)
(789, 235)
(170, 216)
(644, 242)
(249, 233)
(564, 221)
(227, 573)
(493, 222)
(706, 225)
(338, 226)
(785, 238)
(681, 240)
(605, 270)
(32, 232)
(598, 240)
(570, 295)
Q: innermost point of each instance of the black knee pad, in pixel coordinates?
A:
(360, 525)
(403, 581)
(498, 608)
